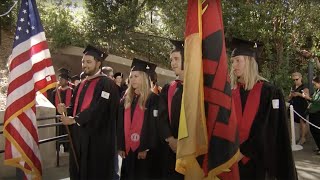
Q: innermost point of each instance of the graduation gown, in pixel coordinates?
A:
(132, 167)
(168, 125)
(94, 132)
(266, 146)
(65, 96)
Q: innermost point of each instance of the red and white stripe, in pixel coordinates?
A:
(30, 71)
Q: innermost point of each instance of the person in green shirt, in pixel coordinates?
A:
(314, 112)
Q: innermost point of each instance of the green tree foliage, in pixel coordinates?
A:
(7, 22)
(136, 28)
(60, 20)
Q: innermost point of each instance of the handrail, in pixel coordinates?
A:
(44, 126)
(53, 138)
(47, 140)
(50, 125)
(43, 118)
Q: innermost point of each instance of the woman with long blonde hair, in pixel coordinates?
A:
(136, 130)
(265, 148)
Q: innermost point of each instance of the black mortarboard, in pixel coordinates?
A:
(139, 65)
(245, 48)
(118, 74)
(96, 53)
(75, 77)
(63, 71)
(179, 46)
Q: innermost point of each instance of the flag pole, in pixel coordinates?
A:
(69, 134)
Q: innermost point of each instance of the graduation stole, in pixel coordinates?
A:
(88, 95)
(171, 91)
(67, 99)
(246, 118)
(132, 129)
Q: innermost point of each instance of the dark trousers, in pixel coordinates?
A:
(315, 119)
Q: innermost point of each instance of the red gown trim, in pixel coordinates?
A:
(87, 97)
(246, 118)
(67, 99)
(171, 91)
(132, 129)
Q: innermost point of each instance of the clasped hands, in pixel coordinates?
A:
(141, 155)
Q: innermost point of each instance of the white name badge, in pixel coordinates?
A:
(155, 113)
(275, 103)
(105, 94)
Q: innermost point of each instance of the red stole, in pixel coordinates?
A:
(246, 118)
(171, 91)
(132, 130)
(87, 97)
(67, 99)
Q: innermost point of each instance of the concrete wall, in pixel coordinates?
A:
(70, 57)
(47, 150)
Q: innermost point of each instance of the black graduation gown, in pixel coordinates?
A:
(169, 128)
(299, 104)
(94, 139)
(268, 145)
(132, 167)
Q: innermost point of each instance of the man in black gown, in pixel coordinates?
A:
(169, 110)
(92, 116)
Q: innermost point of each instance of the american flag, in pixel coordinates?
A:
(31, 70)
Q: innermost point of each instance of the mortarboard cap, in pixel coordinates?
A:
(118, 74)
(245, 48)
(96, 53)
(63, 71)
(178, 45)
(139, 65)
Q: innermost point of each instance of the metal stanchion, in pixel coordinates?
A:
(294, 146)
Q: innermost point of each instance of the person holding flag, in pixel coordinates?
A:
(92, 119)
(265, 148)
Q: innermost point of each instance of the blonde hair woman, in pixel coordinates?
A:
(137, 134)
(260, 109)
